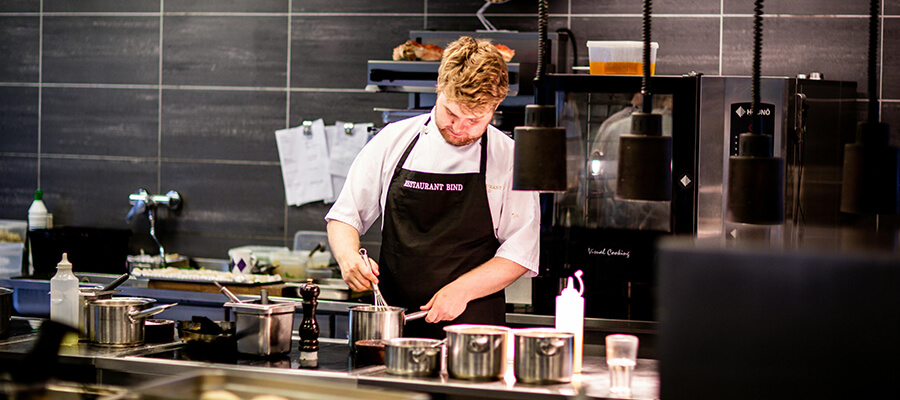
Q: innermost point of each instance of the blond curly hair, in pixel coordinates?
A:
(473, 75)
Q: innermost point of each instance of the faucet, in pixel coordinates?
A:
(142, 201)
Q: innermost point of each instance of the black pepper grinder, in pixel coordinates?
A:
(309, 328)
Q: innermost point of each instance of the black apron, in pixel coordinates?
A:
(437, 227)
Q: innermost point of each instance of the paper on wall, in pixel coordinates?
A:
(344, 147)
(305, 164)
(342, 150)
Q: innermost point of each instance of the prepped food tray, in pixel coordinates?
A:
(222, 384)
(204, 276)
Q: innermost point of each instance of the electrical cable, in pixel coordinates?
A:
(543, 22)
(647, 106)
(873, 61)
(756, 125)
(571, 35)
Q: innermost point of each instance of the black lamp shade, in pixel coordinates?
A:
(755, 190)
(871, 175)
(644, 169)
(870, 179)
(540, 154)
(540, 158)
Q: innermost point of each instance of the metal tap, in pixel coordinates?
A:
(143, 202)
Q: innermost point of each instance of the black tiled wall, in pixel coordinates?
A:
(101, 97)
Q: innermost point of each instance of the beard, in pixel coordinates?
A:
(457, 141)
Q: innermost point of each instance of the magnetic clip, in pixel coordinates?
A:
(348, 128)
(307, 128)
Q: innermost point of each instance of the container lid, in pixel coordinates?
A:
(620, 43)
(256, 308)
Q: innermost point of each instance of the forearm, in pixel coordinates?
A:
(488, 278)
(344, 240)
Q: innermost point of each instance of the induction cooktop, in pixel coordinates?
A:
(334, 356)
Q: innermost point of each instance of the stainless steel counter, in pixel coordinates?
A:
(131, 366)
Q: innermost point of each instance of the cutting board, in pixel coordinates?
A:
(274, 289)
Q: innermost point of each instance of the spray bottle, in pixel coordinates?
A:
(570, 315)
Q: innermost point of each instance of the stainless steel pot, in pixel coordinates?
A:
(476, 352)
(263, 329)
(413, 356)
(543, 355)
(378, 322)
(6, 296)
(86, 295)
(120, 321)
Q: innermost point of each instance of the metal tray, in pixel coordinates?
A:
(329, 289)
(248, 385)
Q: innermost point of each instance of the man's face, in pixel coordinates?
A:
(459, 126)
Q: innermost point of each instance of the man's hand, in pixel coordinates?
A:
(356, 273)
(447, 304)
(490, 277)
(344, 241)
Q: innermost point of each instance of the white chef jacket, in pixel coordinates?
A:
(515, 214)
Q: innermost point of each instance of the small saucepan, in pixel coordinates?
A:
(369, 352)
(119, 321)
(378, 322)
(413, 356)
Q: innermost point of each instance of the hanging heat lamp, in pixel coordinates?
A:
(540, 151)
(645, 155)
(755, 193)
(871, 174)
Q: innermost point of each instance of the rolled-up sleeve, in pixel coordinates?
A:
(518, 230)
(358, 204)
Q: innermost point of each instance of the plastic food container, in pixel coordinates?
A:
(620, 57)
(11, 259)
(12, 230)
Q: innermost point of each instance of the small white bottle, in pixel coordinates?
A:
(64, 294)
(38, 217)
(570, 315)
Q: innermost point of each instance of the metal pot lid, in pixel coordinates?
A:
(256, 308)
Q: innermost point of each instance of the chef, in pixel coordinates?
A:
(454, 233)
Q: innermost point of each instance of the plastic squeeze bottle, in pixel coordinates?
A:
(38, 218)
(64, 296)
(570, 315)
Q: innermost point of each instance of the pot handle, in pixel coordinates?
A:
(549, 347)
(478, 344)
(136, 315)
(416, 356)
(415, 315)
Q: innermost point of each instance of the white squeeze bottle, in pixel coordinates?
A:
(37, 213)
(64, 295)
(570, 315)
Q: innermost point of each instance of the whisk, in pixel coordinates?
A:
(379, 299)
